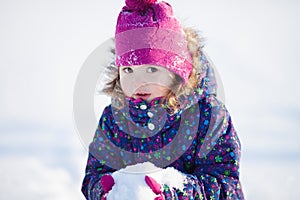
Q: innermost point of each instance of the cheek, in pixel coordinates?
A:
(126, 86)
(166, 91)
(165, 79)
(162, 90)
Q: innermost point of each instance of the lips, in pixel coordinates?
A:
(142, 95)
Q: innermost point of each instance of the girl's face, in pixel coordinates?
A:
(145, 81)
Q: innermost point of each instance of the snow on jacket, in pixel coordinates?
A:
(199, 141)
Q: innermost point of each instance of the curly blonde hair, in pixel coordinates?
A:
(195, 44)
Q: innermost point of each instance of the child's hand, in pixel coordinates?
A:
(155, 187)
(107, 182)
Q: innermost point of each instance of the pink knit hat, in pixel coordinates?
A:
(148, 33)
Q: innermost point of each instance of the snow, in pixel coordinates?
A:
(30, 178)
(130, 182)
(252, 42)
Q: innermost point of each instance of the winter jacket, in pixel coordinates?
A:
(199, 140)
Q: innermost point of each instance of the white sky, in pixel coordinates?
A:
(43, 44)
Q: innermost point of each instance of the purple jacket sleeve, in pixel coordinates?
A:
(91, 187)
(95, 169)
(218, 154)
(217, 157)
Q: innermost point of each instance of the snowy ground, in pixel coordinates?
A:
(254, 44)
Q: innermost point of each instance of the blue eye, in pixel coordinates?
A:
(127, 70)
(152, 69)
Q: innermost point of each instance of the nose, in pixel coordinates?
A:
(139, 79)
(139, 84)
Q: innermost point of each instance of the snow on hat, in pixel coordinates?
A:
(148, 33)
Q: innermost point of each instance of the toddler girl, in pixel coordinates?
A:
(164, 110)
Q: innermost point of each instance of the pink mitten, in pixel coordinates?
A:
(107, 182)
(155, 187)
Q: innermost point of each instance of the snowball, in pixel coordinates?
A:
(130, 182)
